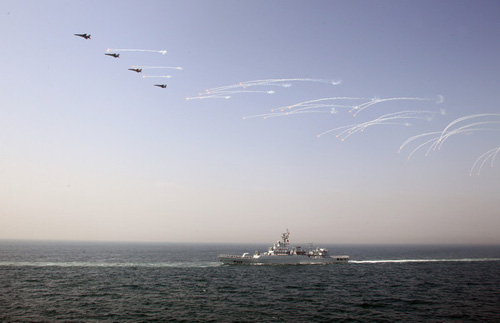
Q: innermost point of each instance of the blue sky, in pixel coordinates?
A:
(92, 151)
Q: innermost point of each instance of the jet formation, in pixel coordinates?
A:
(83, 35)
(116, 55)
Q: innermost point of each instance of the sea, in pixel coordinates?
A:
(167, 282)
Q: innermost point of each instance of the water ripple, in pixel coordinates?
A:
(109, 264)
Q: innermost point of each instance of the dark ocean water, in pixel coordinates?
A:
(119, 282)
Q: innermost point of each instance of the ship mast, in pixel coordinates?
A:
(284, 237)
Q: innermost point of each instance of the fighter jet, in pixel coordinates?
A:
(138, 70)
(83, 35)
(113, 55)
(163, 86)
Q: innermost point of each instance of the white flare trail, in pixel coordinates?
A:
(310, 106)
(157, 76)
(451, 124)
(361, 107)
(209, 97)
(438, 141)
(416, 137)
(388, 119)
(163, 52)
(283, 82)
(159, 67)
(492, 153)
(467, 128)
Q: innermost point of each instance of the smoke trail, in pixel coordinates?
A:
(422, 145)
(163, 52)
(280, 114)
(447, 132)
(445, 135)
(157, 76)
(387, 119)
(278, 81)
(494, 156)
(436, 144)
(159, 67)
(314, 103)
(482, 164)
(492, 153)
(332, 104)
(451, 124)
(416, 137)
(208, 97)
(310, 106)
(374, 101)
(245, 91)
(222, 90)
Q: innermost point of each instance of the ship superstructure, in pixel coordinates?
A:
(282, 253)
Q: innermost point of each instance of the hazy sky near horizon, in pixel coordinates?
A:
(92, 151)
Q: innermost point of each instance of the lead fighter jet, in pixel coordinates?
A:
(113, 55)
(83, 35)
(138, 70)
(163, 86)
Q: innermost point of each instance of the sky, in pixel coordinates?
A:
(277, 115)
